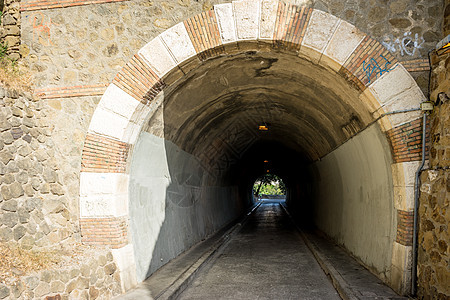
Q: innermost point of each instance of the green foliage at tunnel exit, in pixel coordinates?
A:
(269, 184)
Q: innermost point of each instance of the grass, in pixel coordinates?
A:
(15, 261)
(12, 74)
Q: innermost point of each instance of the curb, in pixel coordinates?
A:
(181, 283)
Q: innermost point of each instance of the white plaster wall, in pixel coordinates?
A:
(353, 199)
(170, 207)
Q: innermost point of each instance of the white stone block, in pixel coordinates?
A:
(225, 22)
(269, 10)
(410, 99)
(106, 122)
(391, 84)
(320, 29)
(246, 14)
(409, 172)
(158, 56)
(344, 41)
(132, 133)
(118, 101)
(103, 183)
(126, 263)
(103, 194)
(178, 42)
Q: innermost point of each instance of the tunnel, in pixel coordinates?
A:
(184, 129)
(201, 149)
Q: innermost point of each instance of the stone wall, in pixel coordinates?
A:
(434, 212)
(95, 42)
(35, 210)
(96, 278)
(10, 29)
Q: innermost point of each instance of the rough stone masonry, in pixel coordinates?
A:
(74, 51)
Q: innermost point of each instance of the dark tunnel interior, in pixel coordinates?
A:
(201, 150)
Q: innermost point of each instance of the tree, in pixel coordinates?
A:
(269, 184)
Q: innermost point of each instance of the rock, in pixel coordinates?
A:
(42, 289)
(4, 291)
(24, 216)
(10, 205)
(31, 282)
(29, 191)
(8, 178)
(110, 268)
(102, 260)
(46, 276)
(8, 19)
(57, 287)
(93, 293)
(56, 189)
(27, 242)
(6, 193)
(19, 232)
(16, 190)
(74, 273)
(6, 234)
(400, 23)
(32, 203)
(85, 270)
(24, 150)
(9, 219)
(5, 156)
(53, 206)
(71, 286)
(50, 176)
(17, 289)
(22, 177)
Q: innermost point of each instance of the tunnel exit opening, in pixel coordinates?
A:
(269, 187)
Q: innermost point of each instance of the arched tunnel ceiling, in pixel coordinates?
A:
(215, 109)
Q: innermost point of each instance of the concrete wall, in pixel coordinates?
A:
(171, 207)
(353, 199)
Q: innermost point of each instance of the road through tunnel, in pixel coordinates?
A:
(200, 152)
(212, 108)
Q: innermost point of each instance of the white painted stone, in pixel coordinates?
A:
(344, 41)
(391, 84)
(401, 267)
(118, 101)
(320, 29)
(268, 18)
(125, 261)
(225, 22)
(106, 122)
(132, 133)
(409, 171)
(410, 99)
(103, 194)
(178, 42)
(103, 183)
(246, 13)
(158, 56)
(103, 206)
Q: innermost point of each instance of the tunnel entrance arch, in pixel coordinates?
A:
(360, 75)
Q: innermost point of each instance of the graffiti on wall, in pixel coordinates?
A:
(407, 45)
(41, 28)
(374, 69)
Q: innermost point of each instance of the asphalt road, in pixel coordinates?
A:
(267, 259)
